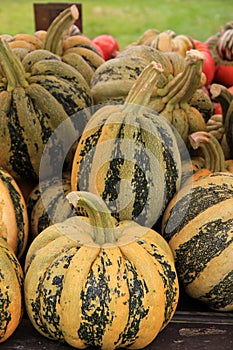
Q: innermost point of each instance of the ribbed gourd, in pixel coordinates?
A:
(222, 95)
(77, 50)
(32, 106)
(90, 281)
(177, 95)
(129, 155)
(197, 224)
(47, 203)
(13, 214)
(11, 291)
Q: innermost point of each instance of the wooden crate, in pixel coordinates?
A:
(45, 13)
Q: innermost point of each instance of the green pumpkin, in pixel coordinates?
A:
(129, 155)
(197, 224)
(90, 281)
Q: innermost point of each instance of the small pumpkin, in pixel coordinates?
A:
(129, 155)
(11, 291)
(13, 214)
(197, 224)
(32, 106)
(93, 282)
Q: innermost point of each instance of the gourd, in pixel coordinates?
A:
(112, 81)
(33, 106)
(47, 203)
(129, 155)
(11, 291)
(76, 50)
(90, 281)
(222, 95)
(197, 224)
(13, 214)
(174, 93)
(165, 41)
(221, 48)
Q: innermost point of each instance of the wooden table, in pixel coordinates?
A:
(193, 326)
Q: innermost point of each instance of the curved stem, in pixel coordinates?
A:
(211, 149)
(141, 91)
(98, 213)
(12, 67)
(182, 87)
(57, 29)
(222, 95)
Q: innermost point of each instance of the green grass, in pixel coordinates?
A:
(127, 20)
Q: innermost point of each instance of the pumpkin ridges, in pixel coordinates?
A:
(11, 283)
(14, 218)
(153, 301)
(41, 261)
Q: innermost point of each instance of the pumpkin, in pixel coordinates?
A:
(77, 49)
(172, 93)
(197, 224)
(129, 155)
(165, 41)
(47, 204)
(32, 106)
(90, 281)
(220, 46)
(11, 291)
(13, 210)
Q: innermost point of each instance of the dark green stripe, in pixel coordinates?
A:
(169, 278)
(221, 295)
(18, 209)
(194, 203)
(210, 241)
(19, 156)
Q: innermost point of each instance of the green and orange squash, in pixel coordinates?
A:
(11, 291)
(197, 224)
(14, 226)
(129, 155)
(32, 106)
(90, 281)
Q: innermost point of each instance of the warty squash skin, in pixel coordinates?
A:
(13, 214)
(11, 291)
(94, 282)
(129, 155)
(198, 225)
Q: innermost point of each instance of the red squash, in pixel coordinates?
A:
(221, 48)
(108, 45)
(209, 63)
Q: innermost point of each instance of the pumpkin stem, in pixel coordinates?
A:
(12, 67)
(182, 87)
(211, 149)
(222, 95)
(98, 213)
(142, 89)
(58, 29)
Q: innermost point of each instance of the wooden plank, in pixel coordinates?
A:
(187, 330)
(45, 13)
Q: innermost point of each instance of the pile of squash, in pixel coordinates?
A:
(116, 182)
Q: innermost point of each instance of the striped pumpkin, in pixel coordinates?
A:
(33, 104)
(47, 203)
(11, 291)
(198, 225)
(92, 282)
(129, 155)
(13, 214)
